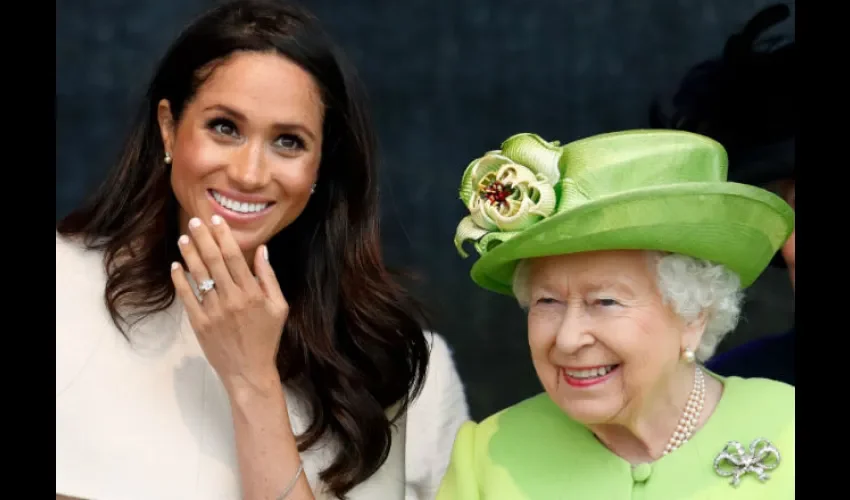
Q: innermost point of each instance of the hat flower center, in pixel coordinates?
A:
(497, 193)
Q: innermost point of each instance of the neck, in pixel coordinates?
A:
(643, 435)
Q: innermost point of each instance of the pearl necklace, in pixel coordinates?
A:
(690, 417)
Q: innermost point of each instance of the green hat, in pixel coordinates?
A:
(660, 190)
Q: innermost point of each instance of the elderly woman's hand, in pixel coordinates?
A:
(239, 321)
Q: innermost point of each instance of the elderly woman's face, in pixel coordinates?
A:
(247, 146)
(601, 337)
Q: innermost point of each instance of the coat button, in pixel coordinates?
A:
(641, 473)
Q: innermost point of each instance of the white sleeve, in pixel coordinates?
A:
(79, 299)
(433, 421)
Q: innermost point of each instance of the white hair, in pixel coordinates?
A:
(691, 286)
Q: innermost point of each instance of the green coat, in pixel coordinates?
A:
(534, 451)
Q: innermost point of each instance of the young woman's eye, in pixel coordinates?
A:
(223, 127)
(290, 142)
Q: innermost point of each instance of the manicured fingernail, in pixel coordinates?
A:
(174, 266)
(184, 240)
(195, 222)
(266, 253)
(216, 220)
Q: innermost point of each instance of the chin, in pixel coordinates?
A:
(586, 412)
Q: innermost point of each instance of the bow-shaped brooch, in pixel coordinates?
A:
(735, 461)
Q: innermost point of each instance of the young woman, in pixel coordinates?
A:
(226, 327)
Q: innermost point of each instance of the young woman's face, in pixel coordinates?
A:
(247, 147)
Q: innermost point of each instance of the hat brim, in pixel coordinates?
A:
(736, 225)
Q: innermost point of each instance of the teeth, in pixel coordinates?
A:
(592, 373)
(242, 208)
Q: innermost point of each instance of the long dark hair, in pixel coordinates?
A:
(353, 345)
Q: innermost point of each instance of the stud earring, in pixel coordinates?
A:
(313, 188)
(688, 355)
(167, 158)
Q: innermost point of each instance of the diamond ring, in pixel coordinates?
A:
(206, 286)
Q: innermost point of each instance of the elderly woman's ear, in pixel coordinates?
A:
(692, 334)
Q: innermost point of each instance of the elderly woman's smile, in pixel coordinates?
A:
(586, 376)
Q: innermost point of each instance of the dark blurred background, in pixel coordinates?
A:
(448, 80)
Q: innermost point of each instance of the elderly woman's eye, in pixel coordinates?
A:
(546, 300)
(607, 302)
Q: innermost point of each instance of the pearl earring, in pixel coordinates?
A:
(167, 158)
(688, 355)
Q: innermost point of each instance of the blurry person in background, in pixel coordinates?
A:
(745, 99)
(225, 325)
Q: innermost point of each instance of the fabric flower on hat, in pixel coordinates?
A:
(508, 190)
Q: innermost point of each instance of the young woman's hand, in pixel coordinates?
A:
(239, 321)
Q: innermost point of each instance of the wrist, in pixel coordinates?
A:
(260, 385)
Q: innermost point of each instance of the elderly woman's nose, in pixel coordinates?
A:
(574, 332)
(247, 169)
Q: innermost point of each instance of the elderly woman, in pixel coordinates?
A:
(629, 251)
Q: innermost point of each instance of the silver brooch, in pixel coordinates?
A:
(735, 461)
